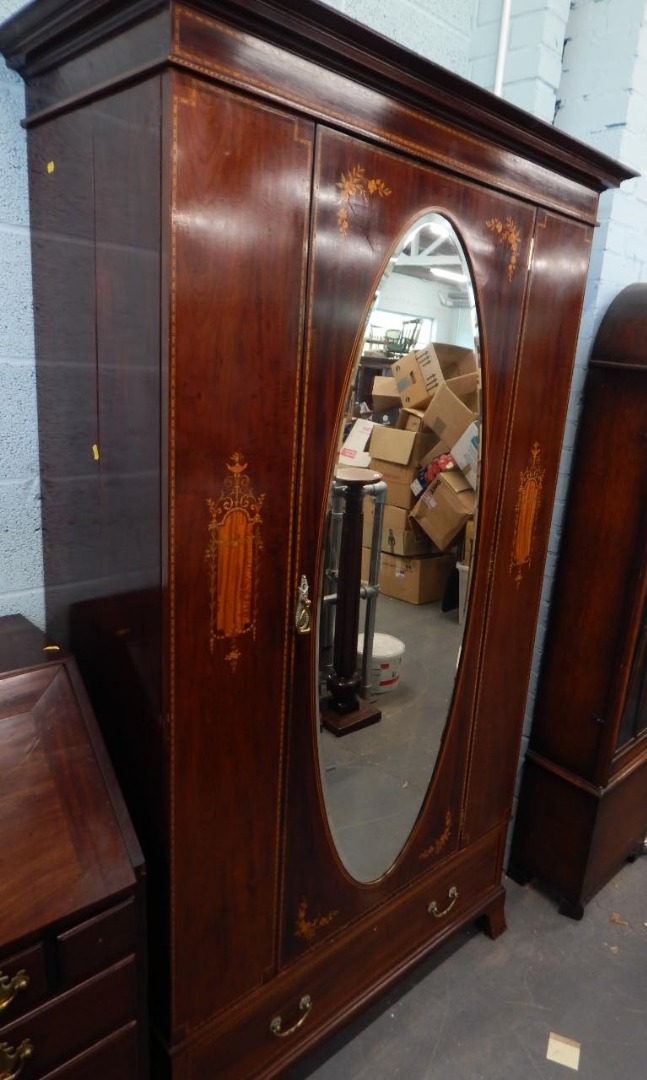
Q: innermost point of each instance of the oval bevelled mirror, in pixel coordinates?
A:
(406, 489)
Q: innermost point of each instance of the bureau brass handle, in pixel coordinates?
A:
(433, 907)
(305, 1006)
(303, 617)
(9, 987)
(12, 1061)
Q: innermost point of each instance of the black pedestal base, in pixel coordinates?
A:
(343, 723)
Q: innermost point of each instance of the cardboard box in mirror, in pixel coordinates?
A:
(453, 408)
(400, 535)
(417, 580)
(385, 393)
(353, 451)
(419, 374)
(465, 453)
(397, 454)
(445, 507)
(410, 419)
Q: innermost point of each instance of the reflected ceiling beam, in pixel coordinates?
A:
(422, 259)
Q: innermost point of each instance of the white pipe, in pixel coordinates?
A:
(504, 33)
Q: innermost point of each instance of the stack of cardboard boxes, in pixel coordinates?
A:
(427, 508)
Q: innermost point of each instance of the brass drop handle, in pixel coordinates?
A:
(305, 1005)
(10, 986)
(12, 1061)
(433, 906)
(303, 616)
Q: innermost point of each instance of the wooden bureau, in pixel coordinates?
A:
(72, 930)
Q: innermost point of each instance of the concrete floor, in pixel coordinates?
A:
(485, 1010)
(375, 779)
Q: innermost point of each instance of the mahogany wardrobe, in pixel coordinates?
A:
(217, 189)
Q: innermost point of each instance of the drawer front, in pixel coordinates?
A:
(97, 943)
(75, 1020)
(306, 1001)
(114, 1058)
(23, 982)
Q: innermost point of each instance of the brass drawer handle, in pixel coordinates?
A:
(9, 987)
(305, 1006)
(433, 907)
(12, 1061)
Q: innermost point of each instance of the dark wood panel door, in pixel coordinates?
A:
(240, 198)
(606, 540)
(366, 200)
(555, 293)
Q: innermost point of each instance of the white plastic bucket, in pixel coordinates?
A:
(387, 660)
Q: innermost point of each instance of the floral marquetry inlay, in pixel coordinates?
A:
(307, 928)
(526, 510)
(355, 189)
(232, 558)
(507, 233)
(442, 841)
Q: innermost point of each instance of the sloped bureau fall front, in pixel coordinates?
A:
(216, 191)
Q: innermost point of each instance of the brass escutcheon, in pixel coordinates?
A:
(303, 615)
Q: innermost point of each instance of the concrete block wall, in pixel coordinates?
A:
(440, 30)
(533, 63)
(21, 569)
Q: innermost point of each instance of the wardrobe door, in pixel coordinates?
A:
(366, 200)
(528, 484)
(240, 198)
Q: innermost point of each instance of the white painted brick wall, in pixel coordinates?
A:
(534, 54)
(21, 571)
(440, 30)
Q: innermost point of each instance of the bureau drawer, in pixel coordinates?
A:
(97, 943)
(75, 1020)
(23, 982)
(114, 1058)
(327, 986)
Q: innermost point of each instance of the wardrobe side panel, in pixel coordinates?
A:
(63, 281)
(240, 218)
(95, 187)
(94, 177)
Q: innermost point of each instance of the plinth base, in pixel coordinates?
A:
(342, 723)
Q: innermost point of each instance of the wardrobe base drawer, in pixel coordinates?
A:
(330, 985)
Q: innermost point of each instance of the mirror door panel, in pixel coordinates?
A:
(364, 200)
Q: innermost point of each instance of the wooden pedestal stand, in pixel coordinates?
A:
(344, 710)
